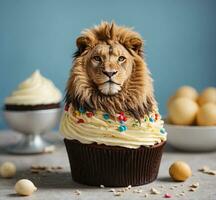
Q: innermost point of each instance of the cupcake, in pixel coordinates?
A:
(112, 129)
(35, 93)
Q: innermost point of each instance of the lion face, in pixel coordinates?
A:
(109, 66)
(109, 72)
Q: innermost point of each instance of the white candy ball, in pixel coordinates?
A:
(25, 187)
(7, 170)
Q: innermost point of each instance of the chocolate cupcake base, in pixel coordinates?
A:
(113, 166)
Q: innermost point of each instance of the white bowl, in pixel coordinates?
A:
(32, 125)
(191, 138)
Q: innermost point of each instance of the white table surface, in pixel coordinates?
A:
(53, 186)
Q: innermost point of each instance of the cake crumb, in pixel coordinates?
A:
(154, 191)
(137, 191)
(195, 185)
(212, 172)
(49, 149)
(77, 192)
(192, 189)
(117, 193)
(146, 195)
(129, 187)
(122, 190)
(207, 170)
(43, 168)
(102, 186)
(204, 169)
(112, 190)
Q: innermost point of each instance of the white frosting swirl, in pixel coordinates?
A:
(102, 131)
(35, 90)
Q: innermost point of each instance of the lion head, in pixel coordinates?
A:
(109, 72)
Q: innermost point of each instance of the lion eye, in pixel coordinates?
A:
(121, 58)
(97, 58)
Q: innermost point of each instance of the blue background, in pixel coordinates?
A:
(180, 39)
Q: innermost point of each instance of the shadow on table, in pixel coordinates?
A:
(165, 179)
(170, 149)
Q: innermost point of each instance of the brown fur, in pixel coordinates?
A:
(136, 96)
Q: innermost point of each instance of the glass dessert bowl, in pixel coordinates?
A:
(32, 110)
(32, 125)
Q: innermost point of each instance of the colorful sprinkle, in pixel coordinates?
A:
(106, 116)
(156, 116)
(80, 121)
(125, 128)
(125, 119)
(77, 113)
(89, 114)
(122, 128)
(146, 119)
(122, 122)
(151, 119)
(120, 118)
(162, 130)
(121, 113)
(81, 110)
(167, 195)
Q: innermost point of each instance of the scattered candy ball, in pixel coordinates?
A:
(180, 171)
(167, 195)
(207, 96)
(182, 111)
(7, 170)
(187, 92)
(206, 115)
(25, 187)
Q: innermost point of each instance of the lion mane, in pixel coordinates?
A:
(136, 96)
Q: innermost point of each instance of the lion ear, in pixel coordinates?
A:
(135, 44)
(82, 43)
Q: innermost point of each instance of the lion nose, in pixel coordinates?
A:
(110, 74)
